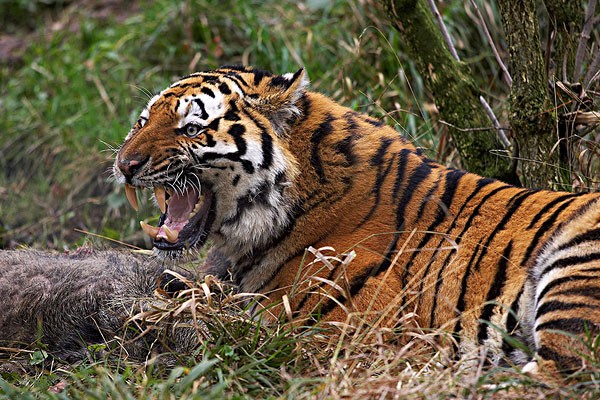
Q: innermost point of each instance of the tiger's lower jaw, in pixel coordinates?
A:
(175, 238)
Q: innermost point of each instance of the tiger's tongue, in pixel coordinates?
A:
(178, 213)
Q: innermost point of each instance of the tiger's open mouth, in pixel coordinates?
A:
(185, 220)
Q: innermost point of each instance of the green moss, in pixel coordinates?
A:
(454, 91)
(530, 106)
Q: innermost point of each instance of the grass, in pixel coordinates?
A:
(77, 90)
(71, 96)
(243, 358)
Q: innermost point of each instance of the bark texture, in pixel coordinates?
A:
(455, 93)
(531, 120)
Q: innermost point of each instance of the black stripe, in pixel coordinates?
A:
(515, 203)
(460, 306)
(381, 175)
(567, 364)
(562, 280)
(379, 155)
(548, 206)
(346, 148)
(193, 84)
(259, 75)
(481, 183)
(209, 78)
(237, 78)
(472, 216)
(232, 112)
(568, 261)
(237, 132)
(427, 199)
(209, 140)
(237, 84)
(597, 269)
(214, 125)
(317, 136)
(403, 162)
(208, 92)
(200, 104)
(428, 234)
(267, 150)
(266, 142)
(592, 293)
(460, 303)
(589, 236)
(356, 284)
(236, 67)
(224, 88)
(247, 165)
(418, 176)
(493, 293)
(387, 258)
(231, 115)
(570, 325)
(352, 125)
(358, 281)
(310, 293)
(305, 104)
(555, 305)
(452, 179)
(374, 122)
(548, 224)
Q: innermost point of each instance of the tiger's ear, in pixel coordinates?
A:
(277, 98)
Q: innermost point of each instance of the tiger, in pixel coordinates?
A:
(324, 212)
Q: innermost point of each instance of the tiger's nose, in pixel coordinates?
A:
(130, 166)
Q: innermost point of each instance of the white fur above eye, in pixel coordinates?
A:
(200, 109)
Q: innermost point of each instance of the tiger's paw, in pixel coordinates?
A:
(544, 371)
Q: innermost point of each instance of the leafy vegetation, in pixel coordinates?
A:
(82, 72)
(79, 85)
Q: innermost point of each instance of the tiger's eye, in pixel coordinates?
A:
(192, 130)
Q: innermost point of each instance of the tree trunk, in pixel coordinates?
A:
(530, 108)
(565, 19)
(456, 96)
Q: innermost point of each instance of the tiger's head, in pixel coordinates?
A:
(212, 147)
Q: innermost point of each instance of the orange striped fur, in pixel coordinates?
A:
(286, 169)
